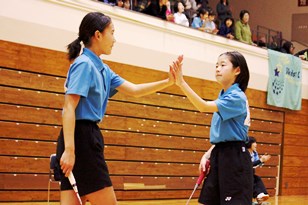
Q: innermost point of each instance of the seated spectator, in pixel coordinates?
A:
(169, 14)
(223, 11)
(140, 5)
(242, 28)
(210, 25)
(162, 9)
(259, 190)
(226, 28)
(303, 54)
(165, 10)
(288, 47)
(152, 8)
(200, 20)
(262, 42)
(125, 4)
(120, 3)
(179, 16)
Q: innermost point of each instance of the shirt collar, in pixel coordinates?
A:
(235, 86)
(94, 58)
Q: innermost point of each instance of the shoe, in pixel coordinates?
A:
(262, 197)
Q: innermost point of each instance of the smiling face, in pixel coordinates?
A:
(225, 72)
(180, 7)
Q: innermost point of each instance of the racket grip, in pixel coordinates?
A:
(72, 180)
(200, 178)
(203, 174)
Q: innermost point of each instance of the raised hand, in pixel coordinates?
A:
(176, 70)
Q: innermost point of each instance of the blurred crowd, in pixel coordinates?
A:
(199, 15)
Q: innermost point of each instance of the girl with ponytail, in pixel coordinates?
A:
(89, 84)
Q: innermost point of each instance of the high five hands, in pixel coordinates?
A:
(176, 70)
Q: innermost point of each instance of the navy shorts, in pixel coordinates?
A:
(230, 180)
(90, 169)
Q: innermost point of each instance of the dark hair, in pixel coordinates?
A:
(251, 140)
(229, 18)
(222, 1)
(242, 13)
(238, 60)
(287, 46)
(212, 13)
(201, 11)
(92, 22)
(176, 9)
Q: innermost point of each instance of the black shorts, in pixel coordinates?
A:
(230, 181)
(90, 169)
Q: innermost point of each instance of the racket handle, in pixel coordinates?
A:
(200, 178)
(203, 174)
(72, 180)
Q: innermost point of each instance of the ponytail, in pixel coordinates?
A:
(74, 49)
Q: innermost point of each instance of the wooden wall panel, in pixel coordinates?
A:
(18, 130)
(295, 140)
(23, 79)
(295, 168)
(158, 147)
(24, 57)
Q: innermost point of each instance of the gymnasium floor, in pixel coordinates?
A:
(280, 200)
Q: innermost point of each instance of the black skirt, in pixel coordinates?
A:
(90, 169)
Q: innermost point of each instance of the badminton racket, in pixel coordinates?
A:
(200, 179)
(72, 180)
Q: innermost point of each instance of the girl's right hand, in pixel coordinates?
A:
(176, 69)
(202, 165)
(67, 161)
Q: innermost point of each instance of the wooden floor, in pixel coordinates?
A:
(280, 200)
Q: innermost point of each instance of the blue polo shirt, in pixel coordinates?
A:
(94, 81)
(197, 22)
(232, 121)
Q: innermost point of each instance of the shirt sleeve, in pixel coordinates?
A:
(231, 106)
(195, 23)
(115, 82)
(79, 79)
